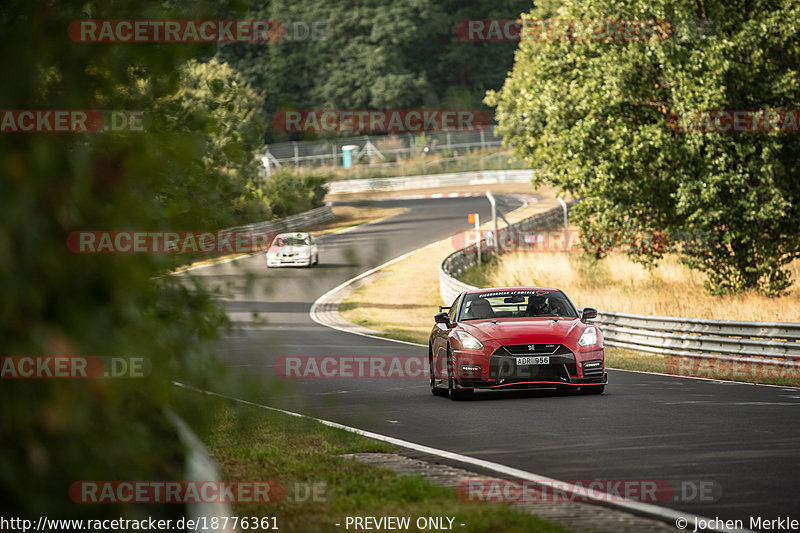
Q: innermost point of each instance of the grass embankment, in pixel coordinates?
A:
(253, 444)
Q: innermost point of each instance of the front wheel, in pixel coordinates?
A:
(436, 391)
(454, 393)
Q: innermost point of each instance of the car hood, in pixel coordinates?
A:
(523, 330)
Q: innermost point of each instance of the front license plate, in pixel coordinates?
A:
(536, 360)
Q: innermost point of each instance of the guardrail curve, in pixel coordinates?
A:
(312, 217)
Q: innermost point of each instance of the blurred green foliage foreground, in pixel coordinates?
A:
(192, 168)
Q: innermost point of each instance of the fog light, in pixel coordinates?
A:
(470, 371)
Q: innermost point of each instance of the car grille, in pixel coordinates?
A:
(593, 368)
(531, 349)
(502, 364)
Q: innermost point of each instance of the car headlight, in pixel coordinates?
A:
(468, 341)
(589, 337)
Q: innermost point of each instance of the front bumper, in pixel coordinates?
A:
(538, 384)
(288, 261)
(501, 371)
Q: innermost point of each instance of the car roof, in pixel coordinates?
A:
(295, 234)
(510, 289)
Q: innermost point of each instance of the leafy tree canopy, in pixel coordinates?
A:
(374, 54)
(594, 116)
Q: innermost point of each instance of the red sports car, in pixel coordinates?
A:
(515, 337)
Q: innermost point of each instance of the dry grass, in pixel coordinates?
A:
(618, 284)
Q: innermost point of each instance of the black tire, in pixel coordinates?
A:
(454, 393)
(436, 391)
(593, 389)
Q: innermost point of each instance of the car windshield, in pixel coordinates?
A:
(292, 241)
(517, 304)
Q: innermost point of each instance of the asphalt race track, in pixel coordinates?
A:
(744, 439)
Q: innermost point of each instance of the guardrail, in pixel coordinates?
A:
(771, 343)
(302, 220)
(426, 181)
(763, 342)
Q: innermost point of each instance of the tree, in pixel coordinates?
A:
(594, 116)
(213, 101)
(54, 432)
(373, 54)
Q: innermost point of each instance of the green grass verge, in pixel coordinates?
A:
(252, 444)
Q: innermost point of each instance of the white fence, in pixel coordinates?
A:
(329, 152)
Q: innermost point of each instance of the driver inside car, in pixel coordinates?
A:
(480, 308)
(538, 306)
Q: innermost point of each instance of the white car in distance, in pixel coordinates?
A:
(292, 249)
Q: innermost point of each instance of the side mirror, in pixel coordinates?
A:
(589, 313)
(442, 318)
